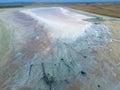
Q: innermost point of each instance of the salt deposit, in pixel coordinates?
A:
(60, 22)
(56, 49)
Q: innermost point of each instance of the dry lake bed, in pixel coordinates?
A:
(59, 47)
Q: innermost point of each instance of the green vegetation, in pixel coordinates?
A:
(14, 5)
(7, 6)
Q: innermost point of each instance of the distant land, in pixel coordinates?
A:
(15, 4)
(22, 4)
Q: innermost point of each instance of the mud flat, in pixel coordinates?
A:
(55, 48)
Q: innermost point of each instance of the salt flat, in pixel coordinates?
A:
(60, 22)
(55, 48)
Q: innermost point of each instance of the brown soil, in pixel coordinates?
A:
(112, 10)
